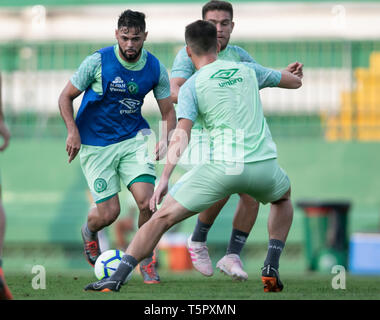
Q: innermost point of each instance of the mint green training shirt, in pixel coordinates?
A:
(183, 68)
(224, 95)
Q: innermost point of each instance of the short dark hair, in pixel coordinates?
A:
(201, 37)
(217, 5)
(132, 19)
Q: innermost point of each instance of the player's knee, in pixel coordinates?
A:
(164, 218)
(145, 213)
(143, 206)
(285, 197)
(249, 202)
(110, 215)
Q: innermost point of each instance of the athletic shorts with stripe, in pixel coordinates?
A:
(104, 167)
(205, 184)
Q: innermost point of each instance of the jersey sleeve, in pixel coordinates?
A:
(266, 77)
(187, 106)
(182, 66)
(244, 55)
(87, 72)
(162, 89)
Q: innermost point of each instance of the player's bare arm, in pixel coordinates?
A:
(168, 124)
(4, 132)
(291, 77)
(296, 68)
(66, 108)
(178, 143)
(175, 85)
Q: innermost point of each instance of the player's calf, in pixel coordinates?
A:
(5, 293)
(90, 244)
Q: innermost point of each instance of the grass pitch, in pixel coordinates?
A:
(193, 286)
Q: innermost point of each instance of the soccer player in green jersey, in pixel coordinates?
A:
(109, 129)
(220, 13)
(5, 293)
(225, 96)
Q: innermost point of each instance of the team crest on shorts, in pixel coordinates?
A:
(100, 185)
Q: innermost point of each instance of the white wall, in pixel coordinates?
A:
(262, 20)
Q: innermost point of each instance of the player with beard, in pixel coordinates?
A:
(109, 128)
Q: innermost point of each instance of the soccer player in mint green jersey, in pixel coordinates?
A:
(224, 95)
(220, 13)
(109, 129)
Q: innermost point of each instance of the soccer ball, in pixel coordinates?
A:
(107, 263)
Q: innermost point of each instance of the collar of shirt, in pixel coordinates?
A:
(135, 66)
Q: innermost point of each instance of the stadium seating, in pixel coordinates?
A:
(359, 114)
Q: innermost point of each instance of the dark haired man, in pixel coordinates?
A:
(220, 13)
(225, 95)
(109, 128)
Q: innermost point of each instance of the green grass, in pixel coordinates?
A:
(193, 286)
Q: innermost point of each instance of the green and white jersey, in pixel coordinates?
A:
(224, 95)
(89, 73)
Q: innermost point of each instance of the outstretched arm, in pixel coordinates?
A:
(296, 68)
(4, 132)
(66, 108)
(175, 85)
(168, 124)
(182, 69)
(178, 143)
(291, 76)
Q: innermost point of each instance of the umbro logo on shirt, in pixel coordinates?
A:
(226, 74)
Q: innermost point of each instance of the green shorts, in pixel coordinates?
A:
(104, 167)
(204, 185)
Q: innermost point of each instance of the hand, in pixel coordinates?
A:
(4, 132)
(159, 194)
(73, 144)
(160, 150)
(296, 68)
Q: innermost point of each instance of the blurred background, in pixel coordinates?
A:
(327, 132)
